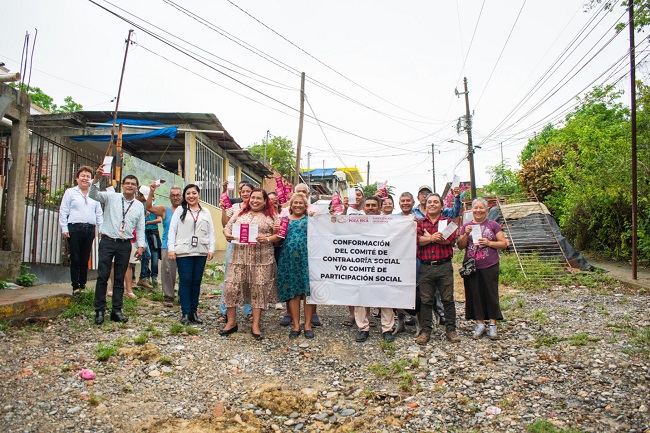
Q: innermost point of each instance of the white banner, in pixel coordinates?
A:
(362, 260)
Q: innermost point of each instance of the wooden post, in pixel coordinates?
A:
(296, 176)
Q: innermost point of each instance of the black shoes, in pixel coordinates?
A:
(309, 333)
(117, 316)
(294, 334)
(194, 318)
(362, 336)
(99, 317)
(388, 336)
(185, 319)
(257, 337)
(227, 332)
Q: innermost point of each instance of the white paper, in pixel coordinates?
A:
(451, 227)
(231, 183)
(159, 181)
(253, 232)
(456, 182)
(108, 162)
(352, 196)
(476, 234)
(442, 225)
(353, 211)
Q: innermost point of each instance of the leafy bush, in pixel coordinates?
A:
(26, 279)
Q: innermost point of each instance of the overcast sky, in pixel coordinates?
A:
(380, 74)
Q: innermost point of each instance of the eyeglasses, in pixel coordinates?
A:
(176, 195)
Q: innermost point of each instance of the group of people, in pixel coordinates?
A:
(274, 267)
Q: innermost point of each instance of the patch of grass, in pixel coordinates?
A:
(156, 295)
(82, 306)
(127, 389)
(547, 341)
(191, 330)
(176, 328)
(543, 426)
(95, 399)
(581, 339)
(388, 347)
(141, 339)
(165, 360)
(641, 340)
(202, 305)
(213, 273)
(65, 368)
(380, 370)
(156, 333)
(104, 351)
(405, 381)
(603, 310)
(540, 316)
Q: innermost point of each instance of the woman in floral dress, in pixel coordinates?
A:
(251, 273)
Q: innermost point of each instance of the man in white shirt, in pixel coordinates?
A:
(122, 215)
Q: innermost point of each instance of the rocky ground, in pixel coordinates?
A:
(570, 359)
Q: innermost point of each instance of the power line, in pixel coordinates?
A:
(500, 54)
(179, 49)
(323, 63)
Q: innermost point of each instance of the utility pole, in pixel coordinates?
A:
(470, 147)
(309, 170)
(296, 176)
(633, 128)
(112, 146)
(503, 178)
(368, 175)
(266, 144)
(433, 165)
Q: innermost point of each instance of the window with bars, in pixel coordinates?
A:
(208, 170)
(250, 180)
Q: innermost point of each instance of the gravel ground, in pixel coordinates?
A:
(568, 357)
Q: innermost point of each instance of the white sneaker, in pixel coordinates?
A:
(479, 331)
(492, 332)
(279, 306)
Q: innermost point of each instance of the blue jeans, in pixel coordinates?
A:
(144, 263)
(222, 307)
(190, 273)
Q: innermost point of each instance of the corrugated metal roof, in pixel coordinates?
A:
(159, 150)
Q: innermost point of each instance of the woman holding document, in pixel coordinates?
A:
(481, 239)
(293, 269)
(251, 273)
(190, 242)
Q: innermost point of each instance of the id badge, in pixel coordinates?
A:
(195, 241)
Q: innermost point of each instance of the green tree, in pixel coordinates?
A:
(503, 181)
(583, 174)
(370, 189)
(46, 102)
(641, 11)
(279, 154)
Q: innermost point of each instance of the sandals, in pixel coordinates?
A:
(76, 292)
(131, 295)
(249, 317)
(109, 293)
(348, 322)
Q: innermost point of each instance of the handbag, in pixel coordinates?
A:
(468, 268)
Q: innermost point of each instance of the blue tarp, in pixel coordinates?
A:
(319, 172)
(130, 122)
(163, 132)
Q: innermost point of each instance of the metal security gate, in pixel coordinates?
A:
(51, 169)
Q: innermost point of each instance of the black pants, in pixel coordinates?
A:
(108, 250)
(80, 243)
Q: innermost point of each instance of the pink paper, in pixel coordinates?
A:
(284, 226)
(282, 198)
(227, 204)
(288, 189)
(243, 233)
(336, 204)
(278, 182)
